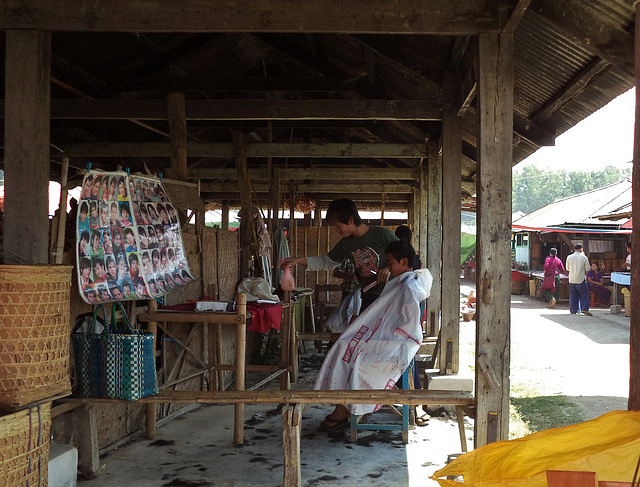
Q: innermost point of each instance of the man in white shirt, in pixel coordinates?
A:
(578, 266)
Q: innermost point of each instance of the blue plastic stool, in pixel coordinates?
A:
(358, 425)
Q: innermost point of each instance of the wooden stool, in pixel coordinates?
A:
(358, 424)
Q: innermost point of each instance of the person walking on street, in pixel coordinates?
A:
(578, 266)
(551, 283)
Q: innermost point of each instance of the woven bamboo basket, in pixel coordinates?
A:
(34, 334)
(24, 447)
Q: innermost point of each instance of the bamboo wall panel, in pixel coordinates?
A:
(228, 264)
(210, 257)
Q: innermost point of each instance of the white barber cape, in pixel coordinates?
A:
(374, 350)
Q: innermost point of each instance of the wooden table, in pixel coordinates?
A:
(215, 320)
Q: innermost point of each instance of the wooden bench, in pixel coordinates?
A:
(292, 411)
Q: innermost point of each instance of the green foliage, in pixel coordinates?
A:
(534, 188)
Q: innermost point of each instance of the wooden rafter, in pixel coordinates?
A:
(451, 17)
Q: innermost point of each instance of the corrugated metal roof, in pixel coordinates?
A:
(581, 209)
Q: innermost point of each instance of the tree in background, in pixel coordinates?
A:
(534, 187)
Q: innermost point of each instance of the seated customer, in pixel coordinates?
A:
(596, 285)
(377, 347)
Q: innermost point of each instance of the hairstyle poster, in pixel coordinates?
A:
(129, 240)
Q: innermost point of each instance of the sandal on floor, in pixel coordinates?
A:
(423, 420)
(329, 426)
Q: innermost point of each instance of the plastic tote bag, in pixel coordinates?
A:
(117, 363)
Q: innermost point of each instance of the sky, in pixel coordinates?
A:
(605, 138)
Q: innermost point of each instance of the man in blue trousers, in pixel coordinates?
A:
(578, 266)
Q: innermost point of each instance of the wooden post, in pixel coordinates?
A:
(241, 346)
(26, 146)
(276, 198)
(634, 337)
(177, 115)
(451, 197)
(433, 258)
(152, 327)
(285, 339)
(493, 278)
(246, 222)
(87, 442)
(62, 222)
(414, 217)
(225, 215)
(291, 426)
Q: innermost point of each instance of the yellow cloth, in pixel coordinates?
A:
(608, 445)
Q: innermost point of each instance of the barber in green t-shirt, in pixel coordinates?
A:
(362, 244)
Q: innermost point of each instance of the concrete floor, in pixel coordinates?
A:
(553, 352)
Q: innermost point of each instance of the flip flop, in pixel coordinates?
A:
(423, 420)
(329, 426)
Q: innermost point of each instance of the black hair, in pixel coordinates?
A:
(404, 233)
(553, 251)
(402, 250)
(85, 235)
(84, 207)
(341, 210)
(84, 263)
(133, 258)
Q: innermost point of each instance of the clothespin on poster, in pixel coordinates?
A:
(88, 168)
(160, 176)
(128, 171)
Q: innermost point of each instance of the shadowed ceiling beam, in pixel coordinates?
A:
(324, 174)
(120, 109)
(450, 17)
(230, 187)
(194, 149)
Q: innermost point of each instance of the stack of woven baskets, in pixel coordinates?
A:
(34, 366)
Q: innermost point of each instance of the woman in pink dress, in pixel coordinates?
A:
(551, 283)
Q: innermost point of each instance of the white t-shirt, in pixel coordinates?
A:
(578, 266)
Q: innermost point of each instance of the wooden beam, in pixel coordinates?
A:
(493, 252)
(516, 16)
(573, 89)
(315, 188)
(246, 221)
(301, 396)
(26, 136)
(123, 109)
(178, 129)
(451, 17)
(433, 257)
(224, 150)
(318, 173)
(258, 84)
(451, 177)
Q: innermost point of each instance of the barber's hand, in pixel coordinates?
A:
(292, 261)
(383, 275)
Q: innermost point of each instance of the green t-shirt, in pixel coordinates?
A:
(367, 253)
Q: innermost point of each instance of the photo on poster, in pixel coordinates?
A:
(85, 272)
(99, 270)
(84, 248)
(94, 217)
(83, 216)
(96, 243)
(129, 244)
(112, 270)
